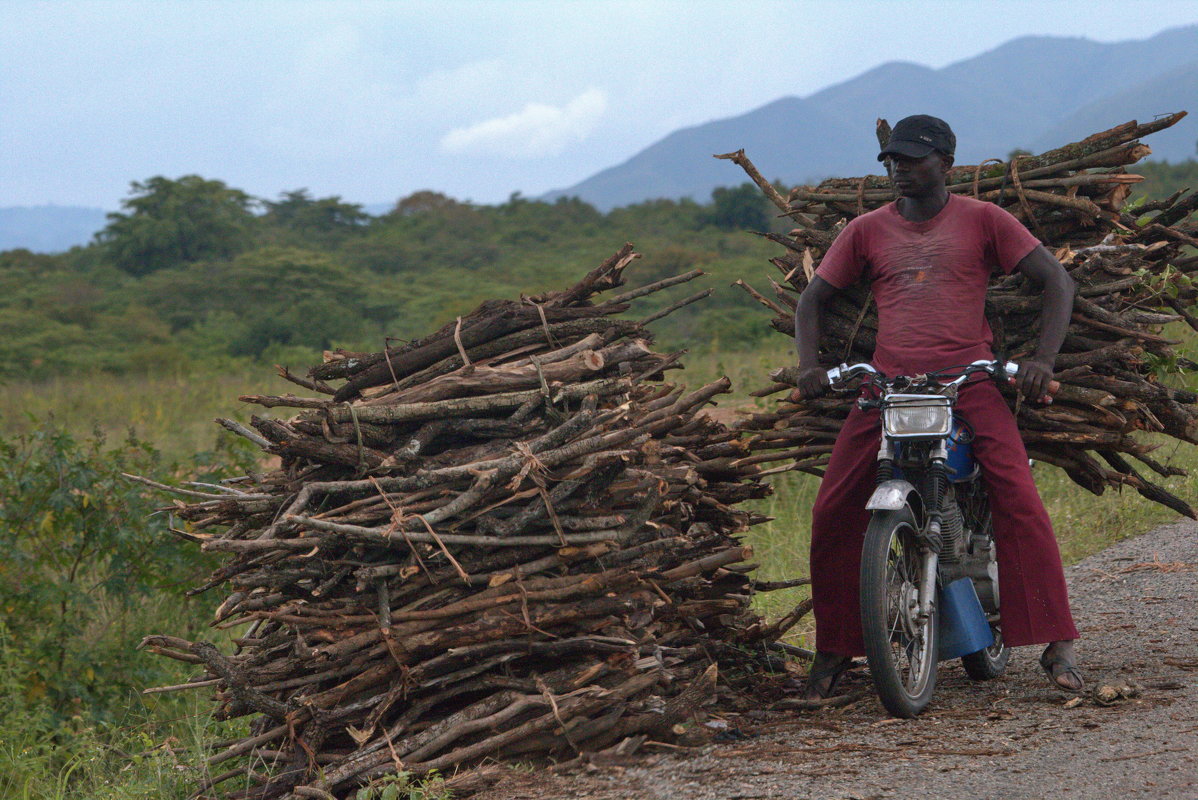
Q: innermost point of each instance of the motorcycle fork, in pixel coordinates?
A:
(932, 541)
(930, 535)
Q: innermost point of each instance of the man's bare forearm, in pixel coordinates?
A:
(808, 329)
(1035, 375)
(809, 317)
(1057, 307)
(1054, 319)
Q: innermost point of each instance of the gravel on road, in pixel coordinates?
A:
(1133, 735)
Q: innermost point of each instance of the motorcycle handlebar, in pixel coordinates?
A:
(844, 372)
(1010, 369)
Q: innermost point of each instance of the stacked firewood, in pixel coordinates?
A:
(1134, 267)
(511, 539)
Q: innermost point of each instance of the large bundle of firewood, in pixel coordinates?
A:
(1133, 266)
(509, 540)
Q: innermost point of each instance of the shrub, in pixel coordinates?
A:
(82, 556)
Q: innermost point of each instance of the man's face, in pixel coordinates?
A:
(917, 177)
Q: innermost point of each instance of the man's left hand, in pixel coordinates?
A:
(1033, 379)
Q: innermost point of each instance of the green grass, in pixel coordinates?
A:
(143, 747)
(174, 412)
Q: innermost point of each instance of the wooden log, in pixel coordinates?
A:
(461, 407)
(485, 329)
(508, 378)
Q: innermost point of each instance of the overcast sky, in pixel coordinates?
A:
(476, 98)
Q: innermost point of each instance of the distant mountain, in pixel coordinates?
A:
(1176, 89)
(1034, 92)
(49, 229)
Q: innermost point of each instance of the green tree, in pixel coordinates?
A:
(271, 296)
(1162, 178)
(741, 207)
(426, 231)
(326, 219)
(424, 201)
(168, 222)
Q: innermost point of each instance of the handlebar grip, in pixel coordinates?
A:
(1011, 369)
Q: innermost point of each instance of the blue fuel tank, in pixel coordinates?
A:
(960, 464)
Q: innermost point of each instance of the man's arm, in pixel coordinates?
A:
(809, 314)
(1044, 270)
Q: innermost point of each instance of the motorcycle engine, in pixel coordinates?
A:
(952, 531)
(967, 553)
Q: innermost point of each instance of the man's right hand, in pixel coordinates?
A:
(813, 382)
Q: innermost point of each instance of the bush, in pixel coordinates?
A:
(82, 556)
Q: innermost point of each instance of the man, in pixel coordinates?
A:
(928, 257)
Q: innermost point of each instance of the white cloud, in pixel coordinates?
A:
(536, 130)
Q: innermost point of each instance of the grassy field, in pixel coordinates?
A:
(174, 412)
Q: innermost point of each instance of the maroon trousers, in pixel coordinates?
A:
(1034, 603)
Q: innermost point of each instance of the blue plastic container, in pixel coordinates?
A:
(963, 625)
(960, 464)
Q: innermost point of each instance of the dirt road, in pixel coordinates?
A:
(1016, 738)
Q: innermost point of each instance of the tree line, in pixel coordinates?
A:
(193, 272)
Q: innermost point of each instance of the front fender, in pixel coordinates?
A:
(892, 495)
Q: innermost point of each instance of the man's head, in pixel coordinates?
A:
(918, 135)
(919, 154)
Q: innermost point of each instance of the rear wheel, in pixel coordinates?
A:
(988, 664)
(899, 646)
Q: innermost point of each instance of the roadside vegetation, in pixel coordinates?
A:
(117, 356)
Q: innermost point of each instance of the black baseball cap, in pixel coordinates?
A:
(918, 135)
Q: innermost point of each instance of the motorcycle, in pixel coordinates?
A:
(929, 546)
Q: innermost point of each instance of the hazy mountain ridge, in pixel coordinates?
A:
(1173, 90)
(1033, 92)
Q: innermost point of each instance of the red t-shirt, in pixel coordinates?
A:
(929, 279)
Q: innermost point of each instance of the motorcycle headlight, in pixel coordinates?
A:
(916, 416)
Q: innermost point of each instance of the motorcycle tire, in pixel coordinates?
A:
(901, 651)
(988, 664)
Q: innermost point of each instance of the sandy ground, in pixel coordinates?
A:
(1015, 738)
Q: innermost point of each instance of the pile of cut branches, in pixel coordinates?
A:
(510, 539)
(1134, 266)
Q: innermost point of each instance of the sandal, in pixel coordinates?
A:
(1058, 667)
(826, 667)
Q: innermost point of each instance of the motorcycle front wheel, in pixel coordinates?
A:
(900, 647)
